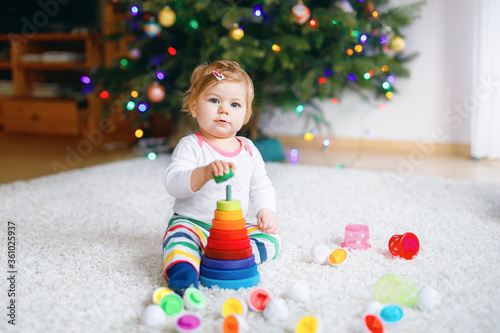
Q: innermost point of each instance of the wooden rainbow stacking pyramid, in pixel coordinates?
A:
(228, 261)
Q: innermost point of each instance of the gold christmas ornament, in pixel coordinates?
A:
(236, 33)
(166, 17)
(398, 44)
(155, 92)
(300, 13)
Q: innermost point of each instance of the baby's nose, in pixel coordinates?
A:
(223, 108)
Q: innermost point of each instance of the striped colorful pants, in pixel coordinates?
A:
(185, 241)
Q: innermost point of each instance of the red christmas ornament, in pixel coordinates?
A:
(301, 13)
(156, 92)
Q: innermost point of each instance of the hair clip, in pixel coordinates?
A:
(218, 76)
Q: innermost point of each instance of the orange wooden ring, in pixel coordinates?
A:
(236, 244)
(228, 254)
(229, 215)
(228, 225)
(228, 234)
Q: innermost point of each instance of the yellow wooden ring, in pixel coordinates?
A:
(228, 206)
(228, 225)
(228, 216)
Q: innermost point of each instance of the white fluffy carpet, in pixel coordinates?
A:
(89, 248)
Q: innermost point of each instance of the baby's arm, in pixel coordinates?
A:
(201, 175)
(183, 176)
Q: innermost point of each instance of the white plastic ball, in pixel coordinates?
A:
(372, 307)
(153, 315)
(429, 299)
(299, 291)
(319, 254)
(276, 309)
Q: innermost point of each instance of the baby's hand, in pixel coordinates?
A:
(218, 168)
(201, 175)
(266, 221)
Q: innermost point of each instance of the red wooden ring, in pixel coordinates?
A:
(228, 254)
(236, 244)
(228, 234)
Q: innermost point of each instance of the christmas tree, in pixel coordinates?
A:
(296, 52)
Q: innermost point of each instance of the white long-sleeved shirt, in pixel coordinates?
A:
(250, 182)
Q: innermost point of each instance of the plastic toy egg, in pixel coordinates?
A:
(235, 323)
(172, 304)
(159, 293)
(234, 306)
(372, 324)
(391, 314)
(258, 300)
(153, 316)
(319, 254)
(194, 299)
(428, 299)
(308, 324)
(299, 291)
(337, 257)
(276, 309)
(187, 323)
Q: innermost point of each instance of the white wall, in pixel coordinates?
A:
(431, 104)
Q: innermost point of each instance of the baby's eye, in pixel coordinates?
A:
(235, 105)
(214, 100)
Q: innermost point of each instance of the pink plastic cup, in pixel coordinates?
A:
(405, 246)
(356, 237)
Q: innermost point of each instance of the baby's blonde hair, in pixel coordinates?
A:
(203, 78)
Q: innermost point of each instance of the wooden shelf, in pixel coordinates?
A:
(49, 37)
(70, 65)
(5, 64)
(42, 99)
(42, 116)
(60, 115)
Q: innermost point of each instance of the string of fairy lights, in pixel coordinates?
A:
(140, 101)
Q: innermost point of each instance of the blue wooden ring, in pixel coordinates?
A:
(228, 274)
(230, 284)
(227, 264)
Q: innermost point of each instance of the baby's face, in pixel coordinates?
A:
(220, 109)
